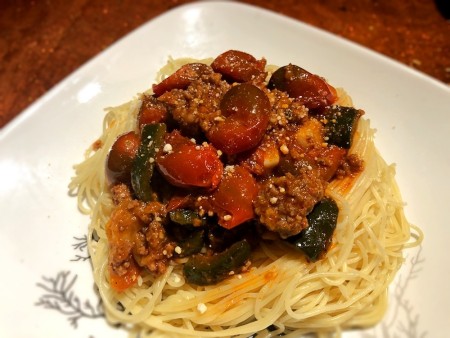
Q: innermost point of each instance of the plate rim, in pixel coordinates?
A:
(54, 90)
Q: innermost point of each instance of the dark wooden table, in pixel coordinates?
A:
(43, 41)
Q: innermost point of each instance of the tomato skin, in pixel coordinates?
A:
(246, 110)
(121, 283)
(326, 160)
(313, 91)
(238, 66)
(180, 202)
(120, 158)
(234, 197)
(182, 78)
(188, 165)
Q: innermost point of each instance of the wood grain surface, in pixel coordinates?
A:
(43, 41)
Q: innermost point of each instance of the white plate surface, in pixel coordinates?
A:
(46, 284)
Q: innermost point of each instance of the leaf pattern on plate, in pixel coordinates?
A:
(81, 245)
(59, 296)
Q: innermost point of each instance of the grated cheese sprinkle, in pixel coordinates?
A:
(167, 148)
(201, 307)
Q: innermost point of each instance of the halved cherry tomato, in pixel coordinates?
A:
(182, 78)
(122, 282)
(120, 158)
(234, 197)
(175, 138)
(151, 111)
(311, 90)
(186, 165)
(246, 110)
(238, 66)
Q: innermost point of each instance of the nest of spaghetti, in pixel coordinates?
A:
(236, 198)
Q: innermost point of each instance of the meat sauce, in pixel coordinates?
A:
(221, 156)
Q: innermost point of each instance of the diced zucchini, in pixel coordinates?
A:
(315, 239)
(152, 138)
(341, 125)
(209, 270)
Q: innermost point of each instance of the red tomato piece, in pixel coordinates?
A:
(121, 156)
(234, 197)
(310, 89)
(238, 66)
(182, 78)
(187, 165)
(246, 110)
(179, 202)
(176, 139)
(327, 160)
(121, 283)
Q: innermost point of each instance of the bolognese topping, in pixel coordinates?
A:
(224, 157)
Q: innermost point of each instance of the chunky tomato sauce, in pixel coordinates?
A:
(221, 156)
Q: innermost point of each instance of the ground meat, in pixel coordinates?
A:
(135, 231)
(195, 108)
(285, 110)
(153, 248)
(120, 192)
(151, 111)
(283, 202)
(351, 165)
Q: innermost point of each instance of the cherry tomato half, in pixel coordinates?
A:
(233, 199)
(246, 110)
(186, 165)
(182, 78)
(311, 90)
(120, 158)
(238, 66)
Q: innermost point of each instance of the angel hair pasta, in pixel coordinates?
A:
(237, 198)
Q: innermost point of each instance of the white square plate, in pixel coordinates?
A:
(46, 284)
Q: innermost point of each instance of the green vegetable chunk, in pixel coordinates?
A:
(315, 239)
(192, 244)
(209, 270)
(189, 231)
(186, 217)
(341, 125)
(152, 138)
